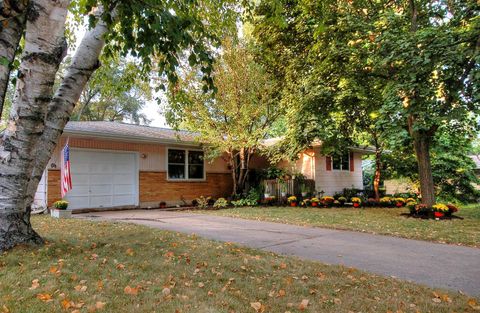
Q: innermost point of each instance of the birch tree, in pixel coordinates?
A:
(147, 29)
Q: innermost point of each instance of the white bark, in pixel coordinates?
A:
(11, 30)
(44, 49)
(84, 63)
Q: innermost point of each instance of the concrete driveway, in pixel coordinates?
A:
(435, 265)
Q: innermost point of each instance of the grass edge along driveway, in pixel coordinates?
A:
(118, 267)
(384, 221)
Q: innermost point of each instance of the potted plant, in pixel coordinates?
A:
(314, 201)
(342, 200)
(292, 200)
(399, 202)
(357, 202)
(327, 201)
(59, 209)
(439, 210)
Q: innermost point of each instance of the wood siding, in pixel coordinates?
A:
(154, 188)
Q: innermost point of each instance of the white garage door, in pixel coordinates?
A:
(102, 179)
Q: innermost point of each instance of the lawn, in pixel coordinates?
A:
(113, 267)
(387, 221)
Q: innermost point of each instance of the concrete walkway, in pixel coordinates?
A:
(435, 265)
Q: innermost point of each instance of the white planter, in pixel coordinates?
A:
(61, 213)
(304, 194)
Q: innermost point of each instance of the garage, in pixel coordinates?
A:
(103, 179)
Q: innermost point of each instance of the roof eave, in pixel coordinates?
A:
(129, 138)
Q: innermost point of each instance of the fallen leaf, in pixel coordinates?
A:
(283, 266)
(201, 285)
(35, 284)
(131, 290)
(281, 293)
(100, 305)
(120, 266)
(166, 291)
(66, 304)
(5, 309)
(303, 305)
(436, 300)
(258, 307)
(130, 252)
(44, 297)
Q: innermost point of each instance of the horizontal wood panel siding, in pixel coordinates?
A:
(331, 181)
(53, 187)
(154, 187)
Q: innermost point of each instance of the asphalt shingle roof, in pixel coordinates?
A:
(113, 129)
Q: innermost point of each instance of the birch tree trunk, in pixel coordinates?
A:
(11, 30)
(45, 46)
(84, 63)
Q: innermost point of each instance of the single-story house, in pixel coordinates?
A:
(123, 165)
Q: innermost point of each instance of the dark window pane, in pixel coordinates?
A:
(176, 171)
(345, 162)
(195, 157)
(176, 156)
(195, 171)
(336, 160)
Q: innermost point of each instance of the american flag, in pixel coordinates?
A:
(65, 171)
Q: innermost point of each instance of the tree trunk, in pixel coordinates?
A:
(44, 49)
(421, 142)
(11, 30)
(377, 176)
(84, 63)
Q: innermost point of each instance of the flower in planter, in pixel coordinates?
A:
(342, 200)
(292, 200)
(386, 201)
(60, 205)
(399, 202)
(314, 201)
(327, 201)
(410, 200)
(412, 207)
(440, 207)
(357, 202)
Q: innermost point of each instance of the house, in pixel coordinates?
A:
(123, 165)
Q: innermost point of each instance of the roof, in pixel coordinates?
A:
(119, 130)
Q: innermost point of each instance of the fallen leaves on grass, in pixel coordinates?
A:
(258, 307)
(303, 305)
(35, 284)
(133, 291)
(45, 297)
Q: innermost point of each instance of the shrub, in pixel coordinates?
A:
(60, 205)
(351, 192)
(220, 203)
(251, 199)
(202, 202)
(342, 200)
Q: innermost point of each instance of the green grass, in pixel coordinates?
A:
(386, 221)
(88, 266)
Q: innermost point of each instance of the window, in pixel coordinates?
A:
(341, 162)
(185, 164)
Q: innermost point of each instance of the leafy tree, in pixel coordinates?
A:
(145, 29)
(117, 91)
(235, 118)
(423, 57)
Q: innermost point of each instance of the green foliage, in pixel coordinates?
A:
(233, 120)
(251, 199)
(220, 203)
(203, 202)
(117, 91)
(380, 68)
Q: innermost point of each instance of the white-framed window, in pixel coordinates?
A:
(341, 162)
(185, 164)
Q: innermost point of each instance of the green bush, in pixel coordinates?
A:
(220, 203)
(202, 202)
